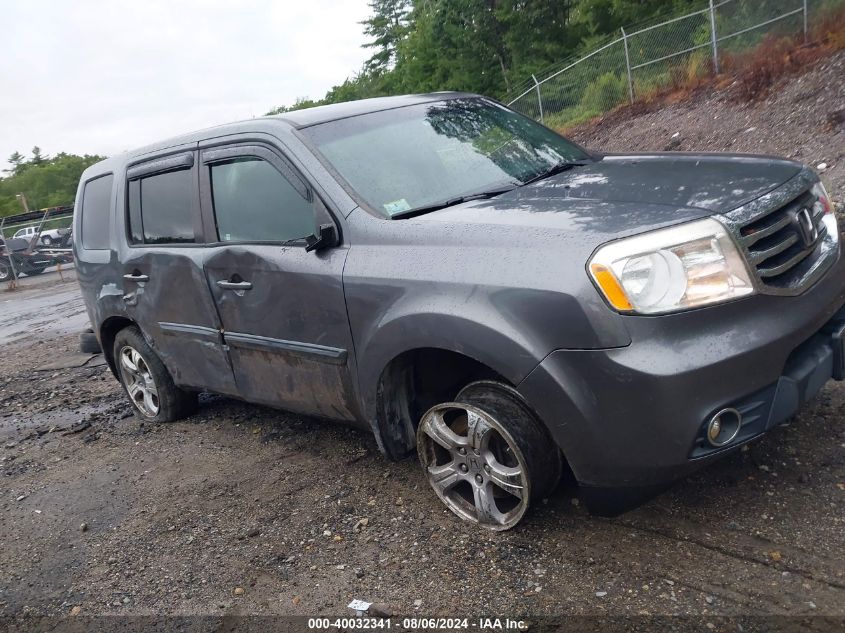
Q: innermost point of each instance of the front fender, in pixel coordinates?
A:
(476, 332)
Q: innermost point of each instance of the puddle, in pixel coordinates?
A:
(53, 424)
(41, 313)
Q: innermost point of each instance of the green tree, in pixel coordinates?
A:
(454, 45)
(537, 34)
(37, 157)
(485, 46)
(387, 26)
(604, 17)
(16, 160)
(51, 183)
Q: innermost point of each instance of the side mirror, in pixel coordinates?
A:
(326, 236)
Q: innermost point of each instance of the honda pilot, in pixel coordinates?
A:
(469, 286)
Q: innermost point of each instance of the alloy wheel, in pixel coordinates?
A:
(474, 465)
(139, 381)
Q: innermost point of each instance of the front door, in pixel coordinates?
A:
(282, 309)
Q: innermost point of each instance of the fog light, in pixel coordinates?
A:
(714, 430)
(724, 427)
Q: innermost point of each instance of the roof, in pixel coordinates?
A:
(325, 113)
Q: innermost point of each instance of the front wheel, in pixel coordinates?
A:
(5, 271)
(486, 455)
(146, 380)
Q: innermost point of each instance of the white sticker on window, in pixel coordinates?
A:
(396, 206)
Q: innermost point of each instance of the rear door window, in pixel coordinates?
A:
(96, 213)
(253, 202)
(162, 209)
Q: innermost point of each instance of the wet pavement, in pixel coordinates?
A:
(41, 307)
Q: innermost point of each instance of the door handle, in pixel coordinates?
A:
(136, 278)
(234, 285)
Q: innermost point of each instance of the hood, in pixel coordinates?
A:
(623, 194)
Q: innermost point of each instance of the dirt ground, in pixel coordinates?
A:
(246, 510)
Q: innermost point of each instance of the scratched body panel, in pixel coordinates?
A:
(177, 295)
(288, 335)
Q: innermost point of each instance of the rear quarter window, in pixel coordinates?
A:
(96, 213)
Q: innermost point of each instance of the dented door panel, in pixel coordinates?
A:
(170, 301)
(288, 333)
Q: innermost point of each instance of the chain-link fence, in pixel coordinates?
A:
(675, 52)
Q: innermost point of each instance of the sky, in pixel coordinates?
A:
(104, 76)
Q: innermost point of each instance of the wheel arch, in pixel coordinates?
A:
(472, 345)
(412, 382)
(107, 332)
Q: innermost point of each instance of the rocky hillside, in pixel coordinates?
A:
(803, 118)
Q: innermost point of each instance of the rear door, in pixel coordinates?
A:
(282, 308)
(164, 286)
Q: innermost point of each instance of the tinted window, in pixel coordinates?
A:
(253, 202)
(96, 213)
(161, 209)
(415, 156)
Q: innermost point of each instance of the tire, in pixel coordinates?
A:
(47, 240)
(149, 386)
(487, 456)
(5, 271)
(88, 343)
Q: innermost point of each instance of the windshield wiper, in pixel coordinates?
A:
(481, 195)
(557, 168)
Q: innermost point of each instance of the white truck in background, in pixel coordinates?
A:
(48, 237)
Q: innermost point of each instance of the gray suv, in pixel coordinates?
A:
(471, 287)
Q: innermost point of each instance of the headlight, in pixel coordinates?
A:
(825, 205)
(672, 269)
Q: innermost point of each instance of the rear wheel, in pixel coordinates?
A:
(147, 382)
(46, 240)
(5, 271)
(487, 456)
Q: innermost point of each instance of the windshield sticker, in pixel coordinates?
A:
(397, 206)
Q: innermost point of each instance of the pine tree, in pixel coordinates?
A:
(16, 160)
(37, 157)
(387, 26)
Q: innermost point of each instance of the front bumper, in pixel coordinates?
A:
(630, 420)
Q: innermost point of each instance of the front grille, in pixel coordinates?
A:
(777, 246)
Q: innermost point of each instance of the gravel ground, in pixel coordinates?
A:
(246, 510)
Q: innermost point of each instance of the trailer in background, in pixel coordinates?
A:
(29, 255)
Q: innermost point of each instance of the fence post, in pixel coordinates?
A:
(713, 37)
(628, 66)
(805, 20)
(539, 98)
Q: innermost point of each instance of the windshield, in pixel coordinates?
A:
(419, 156)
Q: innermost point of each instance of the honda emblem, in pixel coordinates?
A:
(806, 228)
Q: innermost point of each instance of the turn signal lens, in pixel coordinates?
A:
(611, 288)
